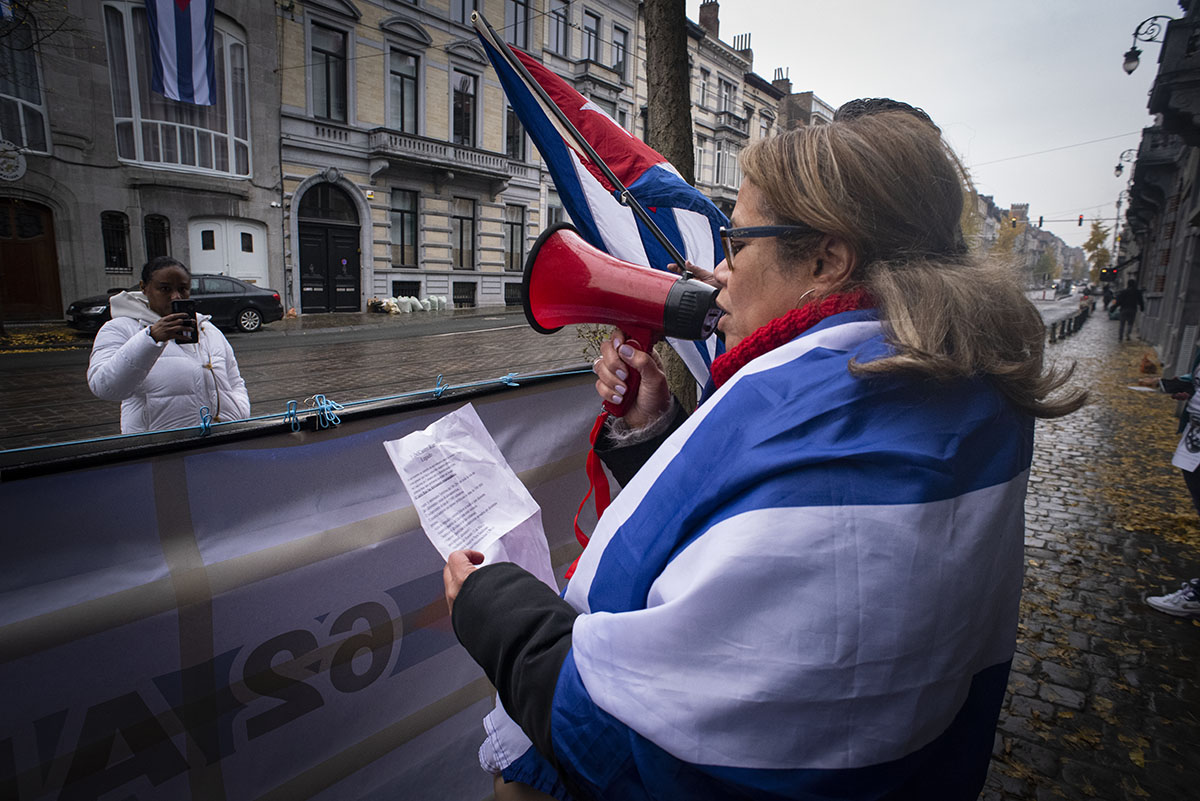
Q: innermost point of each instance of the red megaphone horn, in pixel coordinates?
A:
(568, 281)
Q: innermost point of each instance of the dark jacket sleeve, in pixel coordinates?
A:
(623, 461)
(519, 631)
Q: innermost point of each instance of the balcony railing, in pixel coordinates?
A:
(729, 120)
(435, 153)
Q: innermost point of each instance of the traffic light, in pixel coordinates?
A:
(1013, 220)
(1040, 221)
(1080, 220)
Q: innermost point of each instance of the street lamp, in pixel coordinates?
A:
(1126, 156)
(1150, 30)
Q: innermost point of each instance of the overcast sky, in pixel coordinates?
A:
(1002, 79)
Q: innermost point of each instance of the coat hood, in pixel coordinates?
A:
(132, 304)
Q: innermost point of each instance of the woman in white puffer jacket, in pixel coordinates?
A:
(161, 382)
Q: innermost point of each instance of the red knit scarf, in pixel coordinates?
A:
(784, 329)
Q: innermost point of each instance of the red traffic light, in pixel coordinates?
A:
(1080, 220)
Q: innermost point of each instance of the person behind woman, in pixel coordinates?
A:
(811, 589)
(162, 382)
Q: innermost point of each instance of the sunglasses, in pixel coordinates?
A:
(728, 235)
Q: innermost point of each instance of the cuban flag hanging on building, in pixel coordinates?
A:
(688, 218)
(182, 61)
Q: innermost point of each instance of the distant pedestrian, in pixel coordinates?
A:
(1128, 302)
(1108, 296)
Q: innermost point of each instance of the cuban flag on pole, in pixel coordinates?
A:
(181, 50)
(688, 218)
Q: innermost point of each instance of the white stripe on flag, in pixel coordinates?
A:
(616, 223)
(696, 230)
(202, 91)
(167, 50)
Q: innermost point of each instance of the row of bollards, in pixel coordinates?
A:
(1064, 328)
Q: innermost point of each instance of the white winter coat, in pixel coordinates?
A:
(163, 385)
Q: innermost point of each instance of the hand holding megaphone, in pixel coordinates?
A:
(631, 380)
(568, 281)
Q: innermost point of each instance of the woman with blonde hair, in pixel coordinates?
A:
(810, 589)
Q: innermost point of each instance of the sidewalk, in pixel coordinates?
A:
(1104, 697)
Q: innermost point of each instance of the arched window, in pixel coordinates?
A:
(114, 228)
(22, 112)
(154, 130)
(157, 230)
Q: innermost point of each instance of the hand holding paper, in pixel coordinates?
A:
(468, 497)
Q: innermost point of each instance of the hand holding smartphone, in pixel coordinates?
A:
(188, 335)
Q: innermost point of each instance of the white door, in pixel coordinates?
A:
(229, 246)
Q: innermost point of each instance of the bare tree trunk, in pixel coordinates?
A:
(669, 131)
(669, 105)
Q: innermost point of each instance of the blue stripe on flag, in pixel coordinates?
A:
(183, 53)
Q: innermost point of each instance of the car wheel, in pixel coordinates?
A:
(249, 320)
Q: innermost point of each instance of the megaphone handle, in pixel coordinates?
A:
(634, 338)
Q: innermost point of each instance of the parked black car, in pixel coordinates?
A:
(230, 302)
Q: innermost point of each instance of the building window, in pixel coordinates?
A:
(554, 209)
(464, 112)
(764, 127)
(704, 76)
(402, 92)
(462, 234)
(701, 146)
(460, 10)
(152, 129)
(247, 242)
(556, 32)
(404, 228)
(406, 289)
(512, 294)
(607, 106)
(591, 36)
(620, 50)
(514, 136)
(464, 295)
(725, 171)
(328, 63)
(514, 238)
(157, 231)
(726, 95)
(114, 229)
(516, 19)
(22, 113)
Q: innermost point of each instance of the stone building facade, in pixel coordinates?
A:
(111, 174)
(358, 149)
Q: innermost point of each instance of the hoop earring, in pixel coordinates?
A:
(800, 302)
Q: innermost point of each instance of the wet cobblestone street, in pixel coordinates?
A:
(1104, 697)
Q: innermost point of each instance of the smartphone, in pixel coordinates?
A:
(187, 335)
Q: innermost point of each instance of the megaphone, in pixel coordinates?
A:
(568, 281)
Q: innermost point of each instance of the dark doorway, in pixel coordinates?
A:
(29, 288)
(330, 279)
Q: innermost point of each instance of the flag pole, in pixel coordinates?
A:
(485, 29)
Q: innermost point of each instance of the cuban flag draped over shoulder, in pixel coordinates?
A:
(181, 50)
(688, 218)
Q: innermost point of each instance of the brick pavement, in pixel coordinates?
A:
(1104, 698)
